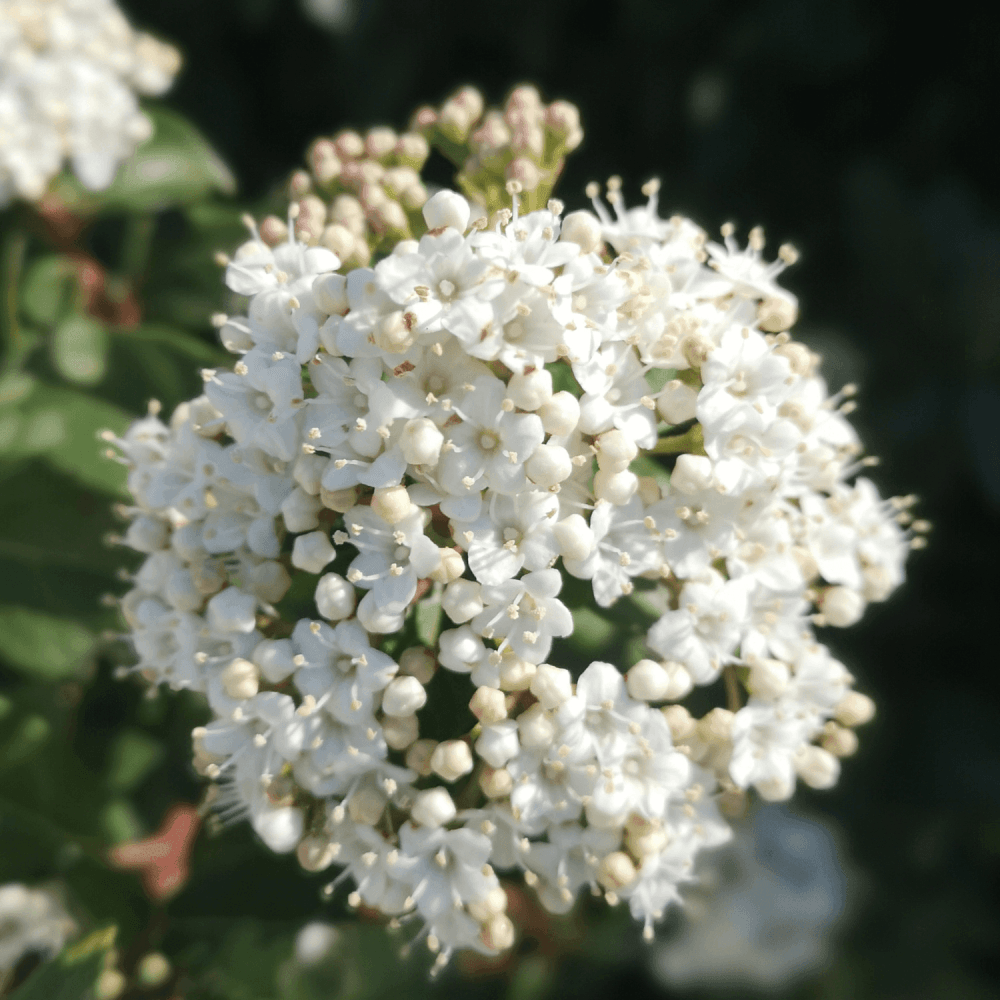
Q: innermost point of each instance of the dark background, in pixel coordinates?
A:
(865, 134)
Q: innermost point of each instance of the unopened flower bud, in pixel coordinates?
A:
(692, 473)
(419, 662)
(335, 597)
(494, 902)
(392, 503)
(841, 606)
(421, 441)
(339, 500)
(418, 757)
(489, 705)
(552, 686)
(682, 725)
(497, 934)
(616, 871)
(536, 729)
(312, 552)
(768, 679)
(316, 853)
(716, 726)
(615, 451)
(300, 511)
(817, 767)
(240, 679)
(232, 611)
(338, 238)
(400, 730)
(433, 808)
(531, 390)
(549, 464)
(560, 414)
(583, 229)
(366, 805)
(516, 674)
(677, 402)
(777, 313)
(451, 759)
(524, 171)
(495, 782)
(854, 709)
(462, 600)
(404, 696)
(778, 788)
(451, 567)
(499, 742)
(647, 681)
(574, 538)
(274, 658)
(615, 487)
(447, 209)
(681, 681)
(839, 741)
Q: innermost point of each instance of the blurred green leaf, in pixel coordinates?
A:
(44, 291)
(79, 349)
(15, 386)
(28, 737)
(73, 974)
(132, 756)
(41, 645)
(120, 822)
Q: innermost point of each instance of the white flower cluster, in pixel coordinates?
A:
(453, 431)
(69, 74)
(31, 921)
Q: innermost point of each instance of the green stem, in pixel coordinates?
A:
(693, 440)
(15, 243)
(136, 244)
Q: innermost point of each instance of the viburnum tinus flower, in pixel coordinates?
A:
(70, 71)
(465, 435)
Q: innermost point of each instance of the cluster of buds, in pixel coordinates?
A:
(526, 141)
(360, 196)
(369, 522)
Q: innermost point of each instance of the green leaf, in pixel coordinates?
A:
(73, 974)
(43, 292)
(79, 348)
(15, 386)
(132, 756)
(177, 165)
(41, 645)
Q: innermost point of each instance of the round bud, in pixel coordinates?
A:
(560, 414)
(279, 827)
(153, 970)
(614, 451)
(274, 657)
(878, 583)
(421, 441)
(522, 170)
(649, 491)
(499, 743)
(316, 853)
(681, 681)
(515, 673)
(616, 871)
(366, 805)
(400, 730)
(716, 726)
(392, 503)
(338, 238)
(777, 313)
(300, 510)
(447, 209)
(494, 902)
(419, 662)
(854, 709)
(646, 841)
(647, 681)
(768, 679)
(692, 473)
(817, 767)
(335, 597)
(462, 600)
(776, 789)
(583, 229)
(404, 696)
(451, 567)
(232, 611)
(312, 552)
(314, 942)
(339, 500)
(110, 985)
(240, 679)
(536, 729)
(418, 757)
(677, 402)
(552, 686)
(495, 783)
(433, 807)
(451, 759)
(530, 390)
(488, 705)
(839, 741)
(841, 606)
(549, 464)
(682, 726)
(574, 538)
(497, 934)
(615, 487)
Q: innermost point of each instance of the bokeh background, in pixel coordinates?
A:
(865, 133)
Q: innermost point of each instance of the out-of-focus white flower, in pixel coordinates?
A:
(31, 921)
